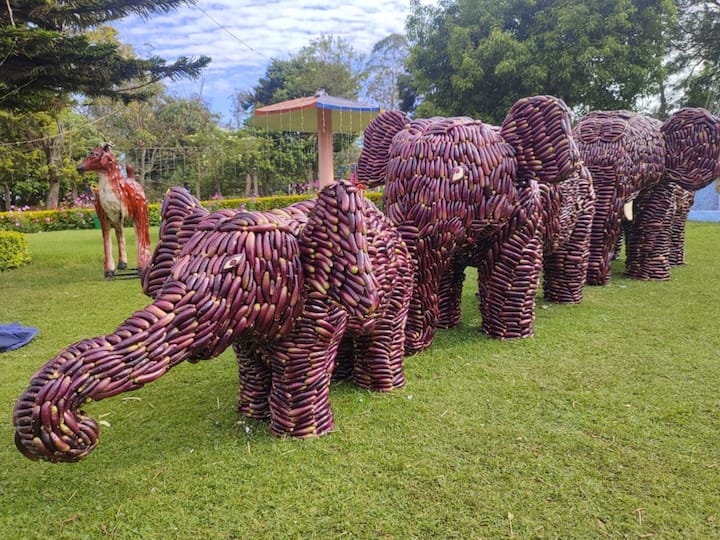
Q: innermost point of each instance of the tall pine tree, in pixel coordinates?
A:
(48, 55)
(45, 54)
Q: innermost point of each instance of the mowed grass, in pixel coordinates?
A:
(605, 424)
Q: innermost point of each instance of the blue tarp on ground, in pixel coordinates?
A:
(13, 336)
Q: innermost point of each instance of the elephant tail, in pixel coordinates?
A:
(540, 130)
(377, 139)
(179, 215)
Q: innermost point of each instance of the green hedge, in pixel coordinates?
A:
(30, 221)
(14, 250)
(269, 203)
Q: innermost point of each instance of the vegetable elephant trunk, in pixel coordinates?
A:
(377, 140)
(49, 423)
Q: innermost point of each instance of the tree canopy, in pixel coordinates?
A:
(698, 53)
(477, 57)
(457, 57)
(385, 68)
(327, 63)
(46, 55)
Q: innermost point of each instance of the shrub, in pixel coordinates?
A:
(154, 214)
(254, 203)
(14, 250)
(269, 203)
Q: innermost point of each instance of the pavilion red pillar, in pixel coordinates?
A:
(326, 175)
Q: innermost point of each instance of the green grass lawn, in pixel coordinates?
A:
(605, 424)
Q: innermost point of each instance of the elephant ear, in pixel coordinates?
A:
(377, 138)
(692, 143)
(539, 128)
(179, 214)
(334, 251)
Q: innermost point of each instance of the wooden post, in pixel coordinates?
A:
(197, 178)
(325, 147)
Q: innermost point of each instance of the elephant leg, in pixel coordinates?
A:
(301, 373)
(507, 295)
(648, 244)
(683, 200)
(625, 229)
(423, 305)
(617, 252)
(450, 295)
(423, 312)
(677, 243)
(379, 355)
(432, 248)
(604, 233)
(254, 388)
(565, 270)
(379, 366)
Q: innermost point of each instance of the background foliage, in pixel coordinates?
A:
(477, 57)
(456, 57)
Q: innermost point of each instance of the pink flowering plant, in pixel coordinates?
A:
(83, 200)
(22, 219)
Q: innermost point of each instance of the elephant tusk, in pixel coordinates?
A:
(628, 210)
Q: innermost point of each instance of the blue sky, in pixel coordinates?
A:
(241, 37)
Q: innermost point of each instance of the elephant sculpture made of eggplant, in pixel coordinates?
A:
(181, 215)
(639, 160)
(680, 204)
(568, 209)
(458, 188)
(288, 290)
(566, 216)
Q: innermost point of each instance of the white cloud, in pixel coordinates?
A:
(242, 37)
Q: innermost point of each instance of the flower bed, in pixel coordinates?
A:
(28, 221)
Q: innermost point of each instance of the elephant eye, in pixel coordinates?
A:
(232, 262)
